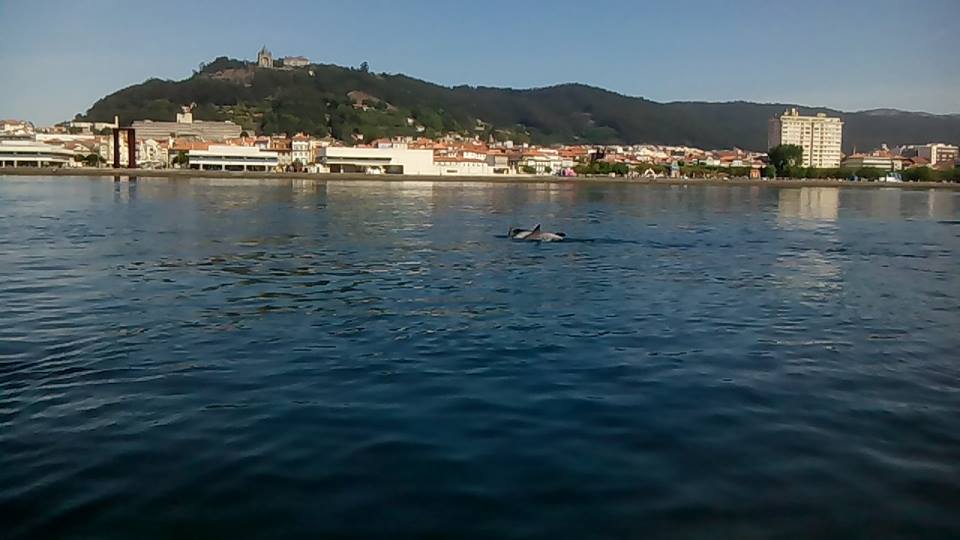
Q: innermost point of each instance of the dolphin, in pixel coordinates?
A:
(536, 235)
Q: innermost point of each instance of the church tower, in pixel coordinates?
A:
(264, 58)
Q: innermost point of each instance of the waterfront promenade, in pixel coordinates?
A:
(191, 173)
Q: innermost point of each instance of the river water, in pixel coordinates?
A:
(264, 359)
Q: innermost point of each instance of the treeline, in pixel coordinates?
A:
(785, 160)
(693, 170)
(913, 174)
(690, 170)
(602, 168)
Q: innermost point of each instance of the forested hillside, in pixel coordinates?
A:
(331, 100)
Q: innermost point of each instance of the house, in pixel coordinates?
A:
(153, 154)
(300, 150)
(499, 162)
(284, 149)
(13, 129)
(540, 162)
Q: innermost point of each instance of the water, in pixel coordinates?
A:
(219, 359)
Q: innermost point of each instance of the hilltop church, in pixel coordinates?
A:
(265, 58)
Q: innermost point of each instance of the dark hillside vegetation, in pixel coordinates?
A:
(315, 100)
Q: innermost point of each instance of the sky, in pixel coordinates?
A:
(59, 56)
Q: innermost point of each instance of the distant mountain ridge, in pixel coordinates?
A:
(315, 100)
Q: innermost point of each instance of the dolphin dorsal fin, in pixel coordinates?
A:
(536, 229)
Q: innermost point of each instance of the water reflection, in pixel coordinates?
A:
(942, 204)
(810, 204)
(522, 203)
(812, 272)
(123, 194)
(806, 265)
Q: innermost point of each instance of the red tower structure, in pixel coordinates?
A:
(131, 147)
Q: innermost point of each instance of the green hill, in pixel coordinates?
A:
(332, 100)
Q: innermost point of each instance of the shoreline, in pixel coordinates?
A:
(325, 177)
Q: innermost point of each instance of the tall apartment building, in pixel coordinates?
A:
(820, 136)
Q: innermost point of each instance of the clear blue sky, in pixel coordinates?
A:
(59, 56)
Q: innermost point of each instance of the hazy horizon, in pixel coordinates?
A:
(62, 58)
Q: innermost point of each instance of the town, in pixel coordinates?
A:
(222, 146)
(185, 142)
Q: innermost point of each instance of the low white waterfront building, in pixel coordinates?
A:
(384, 160)
(233, 158)
(886, 163)
(462, 166)
(27, 153)
(541, 163)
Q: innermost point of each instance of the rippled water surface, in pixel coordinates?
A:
(218, 359)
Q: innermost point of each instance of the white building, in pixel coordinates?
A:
(884, 162)
(295, 61)
(152, 154)
(232, 158)
(300, 150)
(16, 128)
(462, 166)
(54, 138)
(499, 163)
(28, 153)
(186, 126)
(650, 153)
(94, 127)
(820, 136)
(938, 153)
(384, 160)
(540, 163)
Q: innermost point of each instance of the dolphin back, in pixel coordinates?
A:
(536, 235)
